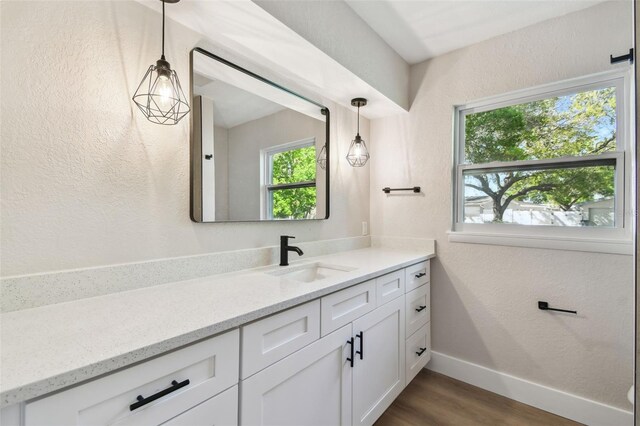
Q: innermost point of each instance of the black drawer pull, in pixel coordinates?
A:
(361, 337)
(421, 308)
(421, 274)
(422, 350)
(144, 401)
(350, 343)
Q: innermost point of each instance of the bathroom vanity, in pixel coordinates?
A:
(330, 340)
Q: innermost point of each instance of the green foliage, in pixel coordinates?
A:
(575, 125)
(297, 203)
(296, 165)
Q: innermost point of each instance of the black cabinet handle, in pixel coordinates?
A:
(422, 350)
(144, 401)
(421, 308)
(350, 359)
(420, 275)
(361, 337)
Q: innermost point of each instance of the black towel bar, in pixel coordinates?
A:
(387, 190)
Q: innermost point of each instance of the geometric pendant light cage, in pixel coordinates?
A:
(160, 96)
(358, 154)
(322, 158)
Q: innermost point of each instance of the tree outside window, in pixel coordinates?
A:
(579, 125)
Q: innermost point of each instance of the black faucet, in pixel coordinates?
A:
(285, 248)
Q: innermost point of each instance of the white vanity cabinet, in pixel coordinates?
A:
(349, 376)
(341, 359)
(152, 392)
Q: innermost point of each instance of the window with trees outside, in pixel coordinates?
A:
(545, 161)
(290, 181)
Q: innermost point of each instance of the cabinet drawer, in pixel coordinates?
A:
(389, 286)
(210, 367)
(417, 275)
(416, 357)
(273, 338)
(342, 307)
(418, 308)
(221, 410)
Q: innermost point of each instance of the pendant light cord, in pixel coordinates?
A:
(163, 31)
(358, 119)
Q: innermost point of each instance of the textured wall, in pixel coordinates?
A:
(484, 297)
(86, 180)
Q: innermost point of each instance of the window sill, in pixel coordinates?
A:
(595, 245)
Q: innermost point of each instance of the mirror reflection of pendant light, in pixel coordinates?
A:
(159, 96)
(322, 158)
(358, 154)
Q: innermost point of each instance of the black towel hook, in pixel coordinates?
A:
(545, 307)
(627, 57)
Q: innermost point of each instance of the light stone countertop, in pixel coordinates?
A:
(51, 347)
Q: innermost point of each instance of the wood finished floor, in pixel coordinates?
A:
(435, 399)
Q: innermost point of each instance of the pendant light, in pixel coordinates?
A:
(159, 96)
(358, 154)
(322, 158)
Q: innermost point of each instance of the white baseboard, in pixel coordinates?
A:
(545, 398)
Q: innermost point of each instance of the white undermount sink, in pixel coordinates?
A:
(310, 272)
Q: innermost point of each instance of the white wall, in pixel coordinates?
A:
(86, 180)
(221, 158)
(484, 297)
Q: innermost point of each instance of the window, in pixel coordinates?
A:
(290, 181)
(548, 162)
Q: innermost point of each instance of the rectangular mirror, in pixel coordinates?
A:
(259, 151)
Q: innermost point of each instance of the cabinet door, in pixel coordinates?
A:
(221, 410)
(378, 378)
(309, 387)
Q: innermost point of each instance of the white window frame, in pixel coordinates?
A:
(607, 240)
(266, 165)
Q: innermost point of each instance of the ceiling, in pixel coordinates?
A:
(233, 106)
(419, 30)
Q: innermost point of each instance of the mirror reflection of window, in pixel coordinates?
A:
(290, 181)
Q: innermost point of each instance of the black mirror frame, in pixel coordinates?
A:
(196, 154)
